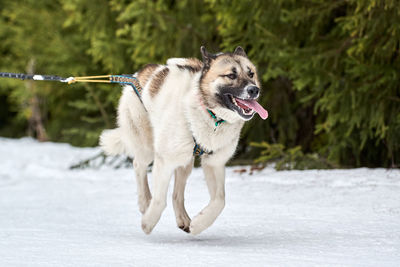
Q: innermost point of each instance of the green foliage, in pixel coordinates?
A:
(291, 158)
(329, 68)
(340, 57)
(37, 30)
(157, 30)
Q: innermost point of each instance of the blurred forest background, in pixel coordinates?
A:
(330, 69)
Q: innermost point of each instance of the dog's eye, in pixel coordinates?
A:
(232, 76)
(251, 74)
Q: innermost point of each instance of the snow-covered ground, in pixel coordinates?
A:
(53, 216)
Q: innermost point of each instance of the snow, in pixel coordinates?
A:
(53, 216)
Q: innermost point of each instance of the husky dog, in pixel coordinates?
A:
(185, 106)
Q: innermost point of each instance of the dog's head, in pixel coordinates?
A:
(229, 85)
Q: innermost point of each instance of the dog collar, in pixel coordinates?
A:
(217, 121)
(212, 114)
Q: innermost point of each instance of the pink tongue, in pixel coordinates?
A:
(254, 106)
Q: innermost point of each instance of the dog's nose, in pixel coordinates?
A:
(253, 91)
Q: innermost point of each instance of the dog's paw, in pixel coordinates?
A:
(150, 219)
(183, 222)
(147, 228)
(147, 224)
(185, 228)
(197, 225)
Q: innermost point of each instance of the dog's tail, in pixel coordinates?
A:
(111, 142)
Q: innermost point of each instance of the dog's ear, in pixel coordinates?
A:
(207, 57)
(240, 51)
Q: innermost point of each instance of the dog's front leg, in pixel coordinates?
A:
(215, 178)
(162, 172)
(181, 175)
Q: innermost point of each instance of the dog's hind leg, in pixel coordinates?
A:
(181, 175)
(215, 178)
(143, 191)
(161, 176)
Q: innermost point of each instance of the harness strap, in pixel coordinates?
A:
(130, 80)
(198, 150)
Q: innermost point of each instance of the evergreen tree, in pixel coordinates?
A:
(338, 59)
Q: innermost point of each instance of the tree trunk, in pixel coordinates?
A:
(35, 120)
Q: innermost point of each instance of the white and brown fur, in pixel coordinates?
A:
(161, 128)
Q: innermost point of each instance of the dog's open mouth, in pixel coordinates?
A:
(247, 107)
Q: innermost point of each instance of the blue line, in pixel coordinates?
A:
(129, 83)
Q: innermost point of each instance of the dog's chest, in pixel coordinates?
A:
(214, 138)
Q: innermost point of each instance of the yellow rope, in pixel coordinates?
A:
(94, 81)
(91, 79)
